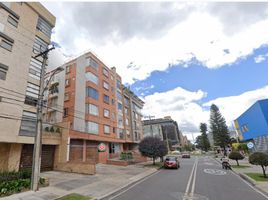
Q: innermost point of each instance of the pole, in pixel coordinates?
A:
(38, 137)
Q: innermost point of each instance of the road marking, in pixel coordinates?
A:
(192, 178)
(214, 171)
(120, 193)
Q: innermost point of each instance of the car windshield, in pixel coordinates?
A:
(170, 159)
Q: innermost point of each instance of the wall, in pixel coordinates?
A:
(10, 156)
(4, 153)
(77, 167)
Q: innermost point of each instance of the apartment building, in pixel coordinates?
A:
(25, 30)
(104, 117)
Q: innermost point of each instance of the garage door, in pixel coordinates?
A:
(47, 160)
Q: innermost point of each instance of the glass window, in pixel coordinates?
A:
(12, 21)
(32, 90)
(127, 122)
(113, 101)
(118, 84)
(105, 72)
(66, 96)
(106, 113)
(106, 99)
(120, 107)
(35, 68)
(93, 93)
(65, 112)
(67, 69)
(92, 63)
(92, 77)
(92, 127)
(92, 109)
(119, 96)
(3, 74)
(39, 45)
(67, 82)
(120, 121)
(106, 129)
(113, 116)
(44, 27)
(126, 111)
(28, 124)
(126, 101)
(6, 45)
(105, 85)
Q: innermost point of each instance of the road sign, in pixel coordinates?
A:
(101, 147)
(250, 145)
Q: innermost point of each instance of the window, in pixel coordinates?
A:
(92, 63)
(105, 85)
(105, 72)
(119, 96)
(67, 82)
(6, 45)
(92, 127)
(120, 107)
(120, 121)
(35, 69)
(92, 77)
(106, 99)
(67, 69)
(93, 93)
(118, 84)
(106, 129)
(32, 93)
(112, 77)
(44, 27)
(127, 122)
(28, 124)
(126, 101)
(112, 89)
(39, 45)
(65, 112)
(113, 101)
(3, 71)
(114, 129)
(106, 113)
(126, 111)
(12, 21)
(66, 97)
(92, 109)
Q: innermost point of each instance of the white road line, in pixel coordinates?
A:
(190, 179)
(194, 179)
(134, 185)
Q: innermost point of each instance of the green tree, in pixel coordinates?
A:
(204, 137)
(235, 155)
(153, 147)
(259, 158)
(219, 128)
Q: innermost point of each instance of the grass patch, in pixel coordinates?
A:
(157, 165)
(74, 196)
(257, 176)
(240, 166)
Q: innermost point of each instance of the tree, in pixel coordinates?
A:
(153, 147)
(204, 137)
(235, 155)
(259, 158)
(219, 128)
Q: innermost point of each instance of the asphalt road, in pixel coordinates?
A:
(199, 178)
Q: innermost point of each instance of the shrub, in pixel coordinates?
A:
(259, 158)
(52, 129)
(235, 155)
(126, 156)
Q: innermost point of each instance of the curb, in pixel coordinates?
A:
(153, 171)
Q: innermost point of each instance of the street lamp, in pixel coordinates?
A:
(38, 137)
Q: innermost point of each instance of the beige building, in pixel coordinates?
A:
(25, 30)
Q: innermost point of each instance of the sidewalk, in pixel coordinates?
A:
(107, 180)
(262, 186)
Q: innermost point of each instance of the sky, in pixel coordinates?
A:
(178, 57)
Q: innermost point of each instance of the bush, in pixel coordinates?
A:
(9, 187)
(126, 156)
(259, 158)
(235, 155)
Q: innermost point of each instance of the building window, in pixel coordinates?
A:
(105, 85)
(127, 122)
(12, 21)
(28, 124)
(120, 107)
(126, 111)
(113, 101)
(67, 82)
(106, 99)
(106, 129)
(65, 112)
(126, 102)
(105, 72)
(119, 96)
(114, 130)
(6, 45)
(67, 96)
(118, 84)
(39, 45)
(35, 68)
(93, 93)
(92, 127)
(67, 69)
(92, 77)
(113, 116)
(106, 113)
(3, 71)
(92, 63)
(44, 27)
(112, 77)
(32, 93)
(120, 121)
(92, 109)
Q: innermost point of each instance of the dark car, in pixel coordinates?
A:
(171, 162)
(186, 155)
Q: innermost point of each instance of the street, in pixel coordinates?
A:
(199, 178)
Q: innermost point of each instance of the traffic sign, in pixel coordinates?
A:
(250, 145)
(101, 147)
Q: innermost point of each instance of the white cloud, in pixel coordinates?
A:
(160, 37)
(260, 58)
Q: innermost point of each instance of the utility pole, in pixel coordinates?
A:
(38, 137)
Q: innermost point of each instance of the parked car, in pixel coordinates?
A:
(175, 153)
(171, 162)
(186, 155)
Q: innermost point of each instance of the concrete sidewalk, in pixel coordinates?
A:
(107, 180)
(262, 186)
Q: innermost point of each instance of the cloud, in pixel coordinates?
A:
(139, 38)
(260, 58)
